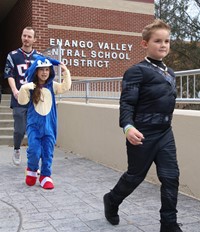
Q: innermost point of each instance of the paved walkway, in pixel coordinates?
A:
(75, 205)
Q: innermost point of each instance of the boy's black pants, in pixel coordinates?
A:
(158, 147)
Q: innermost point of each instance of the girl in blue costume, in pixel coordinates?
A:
(40, 92)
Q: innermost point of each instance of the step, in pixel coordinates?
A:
(6, 131)
(4, 109)
(6, 123)
(6, 115)
(6, 97)
(8, 140)
(5, 103)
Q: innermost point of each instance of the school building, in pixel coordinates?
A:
(99, 38)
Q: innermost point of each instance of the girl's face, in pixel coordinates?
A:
(43, 74)
(158, 45)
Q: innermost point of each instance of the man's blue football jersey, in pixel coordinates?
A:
(18, 61)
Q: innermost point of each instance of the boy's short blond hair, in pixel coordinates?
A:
(149, 29)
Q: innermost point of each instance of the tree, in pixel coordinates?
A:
(185, 32)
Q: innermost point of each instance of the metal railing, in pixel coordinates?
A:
(188, 87)
(187, 83)
(99, 88)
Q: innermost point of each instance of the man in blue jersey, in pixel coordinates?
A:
(18, 61)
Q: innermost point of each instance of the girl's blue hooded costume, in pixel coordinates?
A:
(42, 117)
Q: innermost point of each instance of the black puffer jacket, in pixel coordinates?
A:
(148, 95)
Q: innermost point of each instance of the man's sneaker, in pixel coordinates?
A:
(175, 227)
(110, 210)
(38, 172)
(16, 157)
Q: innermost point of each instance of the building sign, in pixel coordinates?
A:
(80, 53)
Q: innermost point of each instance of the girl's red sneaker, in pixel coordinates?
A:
(46, 182)
(31, 177)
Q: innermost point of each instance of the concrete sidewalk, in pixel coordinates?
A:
(75, 205)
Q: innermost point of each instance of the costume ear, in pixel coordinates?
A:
(53, 61)
(37, 56)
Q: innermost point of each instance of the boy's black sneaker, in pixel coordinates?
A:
(170, 228)
(110, 210)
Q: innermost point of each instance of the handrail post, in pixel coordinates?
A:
(59, 68)
(87, 91)
(59, 58)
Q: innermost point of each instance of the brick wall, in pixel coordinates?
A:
(40, 14)
(116, 67)
(96, 18)
(66, 25)
(109, 31)
(10, 32)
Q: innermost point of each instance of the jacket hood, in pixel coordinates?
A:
(41, 61)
